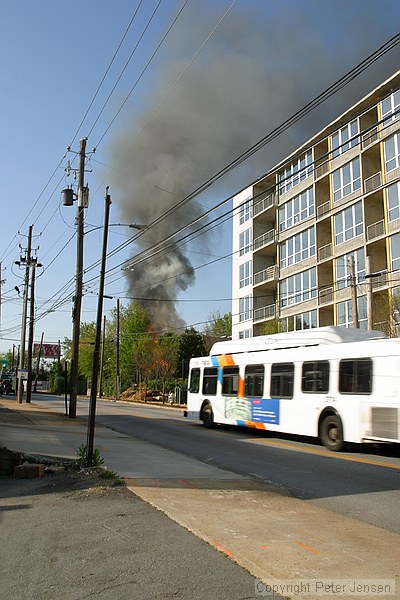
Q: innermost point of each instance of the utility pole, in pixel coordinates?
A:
(78, 281)
(117, 381)
(103, 343)
(30, 337)
(96, 352)
(27, 260)
(353, 283)
(38, 362)
(370, 320)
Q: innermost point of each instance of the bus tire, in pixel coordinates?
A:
(331, 433)
(207, 416)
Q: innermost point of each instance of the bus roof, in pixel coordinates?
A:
(293, 339)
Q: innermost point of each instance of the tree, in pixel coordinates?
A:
(167, 355)
(136, 342)
(217, 328)
(190, 344)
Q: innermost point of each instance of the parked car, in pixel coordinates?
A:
(6, 385)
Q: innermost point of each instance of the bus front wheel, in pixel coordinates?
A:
(332, 433)
(207, 416)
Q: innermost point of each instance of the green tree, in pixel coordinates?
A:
(218, 327)
(190, 344)
(136, 342)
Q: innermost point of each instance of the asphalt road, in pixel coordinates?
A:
(363, 484)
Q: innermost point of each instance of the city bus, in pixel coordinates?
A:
(336, 384)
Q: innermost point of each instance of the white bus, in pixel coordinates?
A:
(337, 384)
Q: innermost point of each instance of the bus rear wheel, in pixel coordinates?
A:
(207, 416)
(331, 434)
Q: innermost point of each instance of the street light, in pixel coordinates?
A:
(96, 352)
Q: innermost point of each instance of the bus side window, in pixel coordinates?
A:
(282, 380)
(355, 376)
(230, 381)
(194, 385)
(210, 378)
(315, 377)
(254, 381)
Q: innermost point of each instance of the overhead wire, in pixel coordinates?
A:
(343, 81)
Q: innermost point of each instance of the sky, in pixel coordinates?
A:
(169, 93)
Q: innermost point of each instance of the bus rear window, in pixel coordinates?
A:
(194, 385)
(282, 378)
(355, 376)
(230, 381)
(210, 378)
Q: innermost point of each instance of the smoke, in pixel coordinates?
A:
(262, 64)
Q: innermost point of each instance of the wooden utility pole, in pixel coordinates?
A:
(103, 343)
(30, 337)
(370, 320)
(353, 283)
(96, 351)
(76, 317)
(27, 261)
(38, 362)
(117, 381)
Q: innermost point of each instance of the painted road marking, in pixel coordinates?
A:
(321, 452)
(220, 547)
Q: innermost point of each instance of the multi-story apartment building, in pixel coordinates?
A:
(306, 234)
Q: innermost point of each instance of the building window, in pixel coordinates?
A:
(246, 333)
(390, 107)
(296, 172)
(346, 138)
(344, 313)
(245, 241)
(393, 201)
(347, 179)
(297, 248)
(301, 322)
(245, 274)
(343, 269)
(246, 210)
(245, 308)
(349, 223)
(296, 210)
(392, 152)
(395, 252)
(299, 288)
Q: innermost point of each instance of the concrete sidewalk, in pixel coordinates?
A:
(269, 533)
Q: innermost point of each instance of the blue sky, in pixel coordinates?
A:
(225, 75)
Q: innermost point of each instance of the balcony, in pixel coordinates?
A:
(322, 169)
(326, 295)
(264, 313)
(264, 240)
(370, 137)
(375, 230)
(373, 183)
(264, 203)
(266, 275)
(325, 252)
(323, 209)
